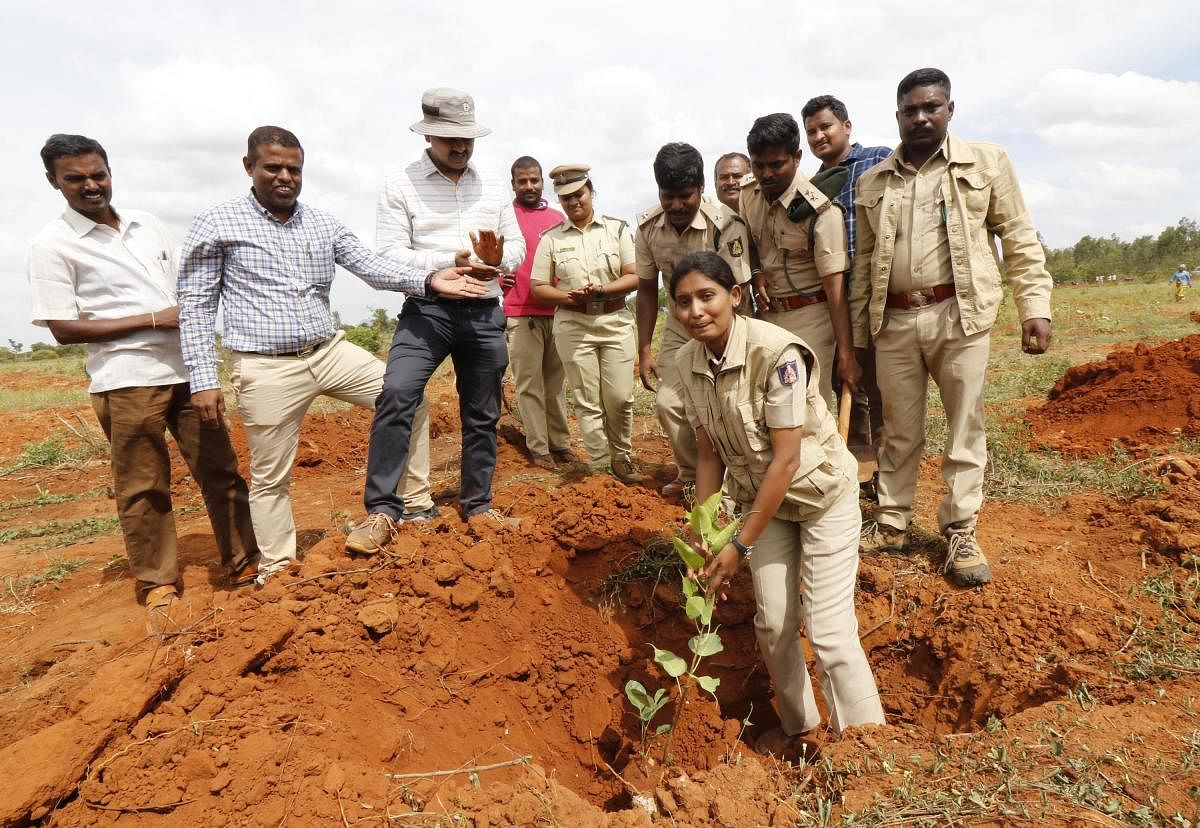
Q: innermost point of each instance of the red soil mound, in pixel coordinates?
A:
(1140, 398)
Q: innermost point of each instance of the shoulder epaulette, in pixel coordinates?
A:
(649, 214)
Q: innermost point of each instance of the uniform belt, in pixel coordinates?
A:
(485, 302)
(596, 307)
(920, 298)
(307, 350)
(797, 300)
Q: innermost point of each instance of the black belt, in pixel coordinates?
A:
(485, 302)
(308, 350)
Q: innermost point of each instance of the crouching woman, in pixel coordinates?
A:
(751, 391)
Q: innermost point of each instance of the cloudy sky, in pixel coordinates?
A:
(1097, 102)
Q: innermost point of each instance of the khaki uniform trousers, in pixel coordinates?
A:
(811, 323)
(135, 421)
(274, 393)
(597, 353)
(538, 375)
(804, 579)
(668, 405)
(912, 346)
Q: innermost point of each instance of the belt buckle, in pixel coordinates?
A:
(919, 299)
(595, 307)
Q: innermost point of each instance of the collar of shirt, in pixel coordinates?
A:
(297, 213)
(956, 151)
(697, 223)
(596, 219)
(81, 225)
(791, 192)
(428, 169)
(541, 205)
(735, 350)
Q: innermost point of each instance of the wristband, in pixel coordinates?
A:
(742, 549)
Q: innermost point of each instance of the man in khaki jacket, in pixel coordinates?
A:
(682, 222)
(926, 285)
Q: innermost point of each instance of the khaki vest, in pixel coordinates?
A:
(731, 407)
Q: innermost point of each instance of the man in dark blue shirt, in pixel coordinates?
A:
(827, 125)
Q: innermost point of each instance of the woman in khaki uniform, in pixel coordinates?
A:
(585, 266)
(752, 392)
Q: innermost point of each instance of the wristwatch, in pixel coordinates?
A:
(745, 551)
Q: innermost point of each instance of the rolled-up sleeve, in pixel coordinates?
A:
(52, 283)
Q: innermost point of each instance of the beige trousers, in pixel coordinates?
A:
(912, 346)
(538, 374)
(811, 323)
(274, 392)
(804, 578)
(597, 353)
(668, 405)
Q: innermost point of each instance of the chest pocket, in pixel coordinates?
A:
(975, 188)
(793, 237)
(569, 271)
(754, 431)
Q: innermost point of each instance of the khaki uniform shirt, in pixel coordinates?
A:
(569, 258)
(715, 228)
(792, 261)
(766, 379)
(979, 190)
(922, 245)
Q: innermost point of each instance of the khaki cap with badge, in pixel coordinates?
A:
(568, 178)
(448, 113)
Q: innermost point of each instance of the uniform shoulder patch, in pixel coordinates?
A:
(747, 180)
(735, 247)
(789, 372)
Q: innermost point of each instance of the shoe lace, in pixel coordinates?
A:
(379, 520)
(962, 547)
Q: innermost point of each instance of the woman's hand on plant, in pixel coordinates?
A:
(720, 569)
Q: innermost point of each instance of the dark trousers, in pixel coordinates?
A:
(472, 335)
(135, 421)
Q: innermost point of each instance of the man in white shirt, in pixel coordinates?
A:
(431, 215)
(108, 280)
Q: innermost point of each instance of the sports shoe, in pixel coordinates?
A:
(421, 516)
(497, 517)
(879, 538)
(966, 565)
(544, 461)
(624, 470)
(372, 535)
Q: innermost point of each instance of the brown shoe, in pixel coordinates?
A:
(372, 535)
(498, 518)
(879, 538)
(675, 489)
(246, 574)
(624, 470)
(966, 565)
(159, 602)
(544, 461)
(564, 455)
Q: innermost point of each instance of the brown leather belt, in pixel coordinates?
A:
(797, 300)
(596, 307)
(920, 298)
(302, 352)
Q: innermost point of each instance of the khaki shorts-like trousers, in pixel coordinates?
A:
(804, 578)
(912, 346)
(668, 405)
(597, 353)
(811, 323)
(136, 420)
(274, 393)
(538, 375)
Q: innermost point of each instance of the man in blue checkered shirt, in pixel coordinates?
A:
(827, 125)
(269, 260)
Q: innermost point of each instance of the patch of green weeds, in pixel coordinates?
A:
(17, 595)
(49, 452)
(1169, 648)
(45, 498)
(62, 534)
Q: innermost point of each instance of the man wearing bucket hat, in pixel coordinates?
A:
(432, 214)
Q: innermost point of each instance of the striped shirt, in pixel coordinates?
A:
(857, 161)
(424, 218)
(274, 279)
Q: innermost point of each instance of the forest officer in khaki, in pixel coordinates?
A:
(801, 286)
(683, 222)
(585, 267)
(926, 285)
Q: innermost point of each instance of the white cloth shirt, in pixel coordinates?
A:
(79, 269)
(424, 218)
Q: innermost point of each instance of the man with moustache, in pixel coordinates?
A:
(433, 213)
(728, 172)
(529, 331)
(801, 286)
(682, 222)
(927, 287)
(267, 260)
(827, 127)
(108, 280)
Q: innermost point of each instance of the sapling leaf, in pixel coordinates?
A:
(701, 522)
(662, 728)
(695, 607)
(705, 644)
(635, 691)
(706, 612)
(722, 538)
(708, 684)
(711, 506)
(671, 663)
(689, 587)
(689, 556)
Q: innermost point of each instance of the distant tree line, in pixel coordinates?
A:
(1146, 258)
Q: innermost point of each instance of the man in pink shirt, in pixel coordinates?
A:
(537, 369)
